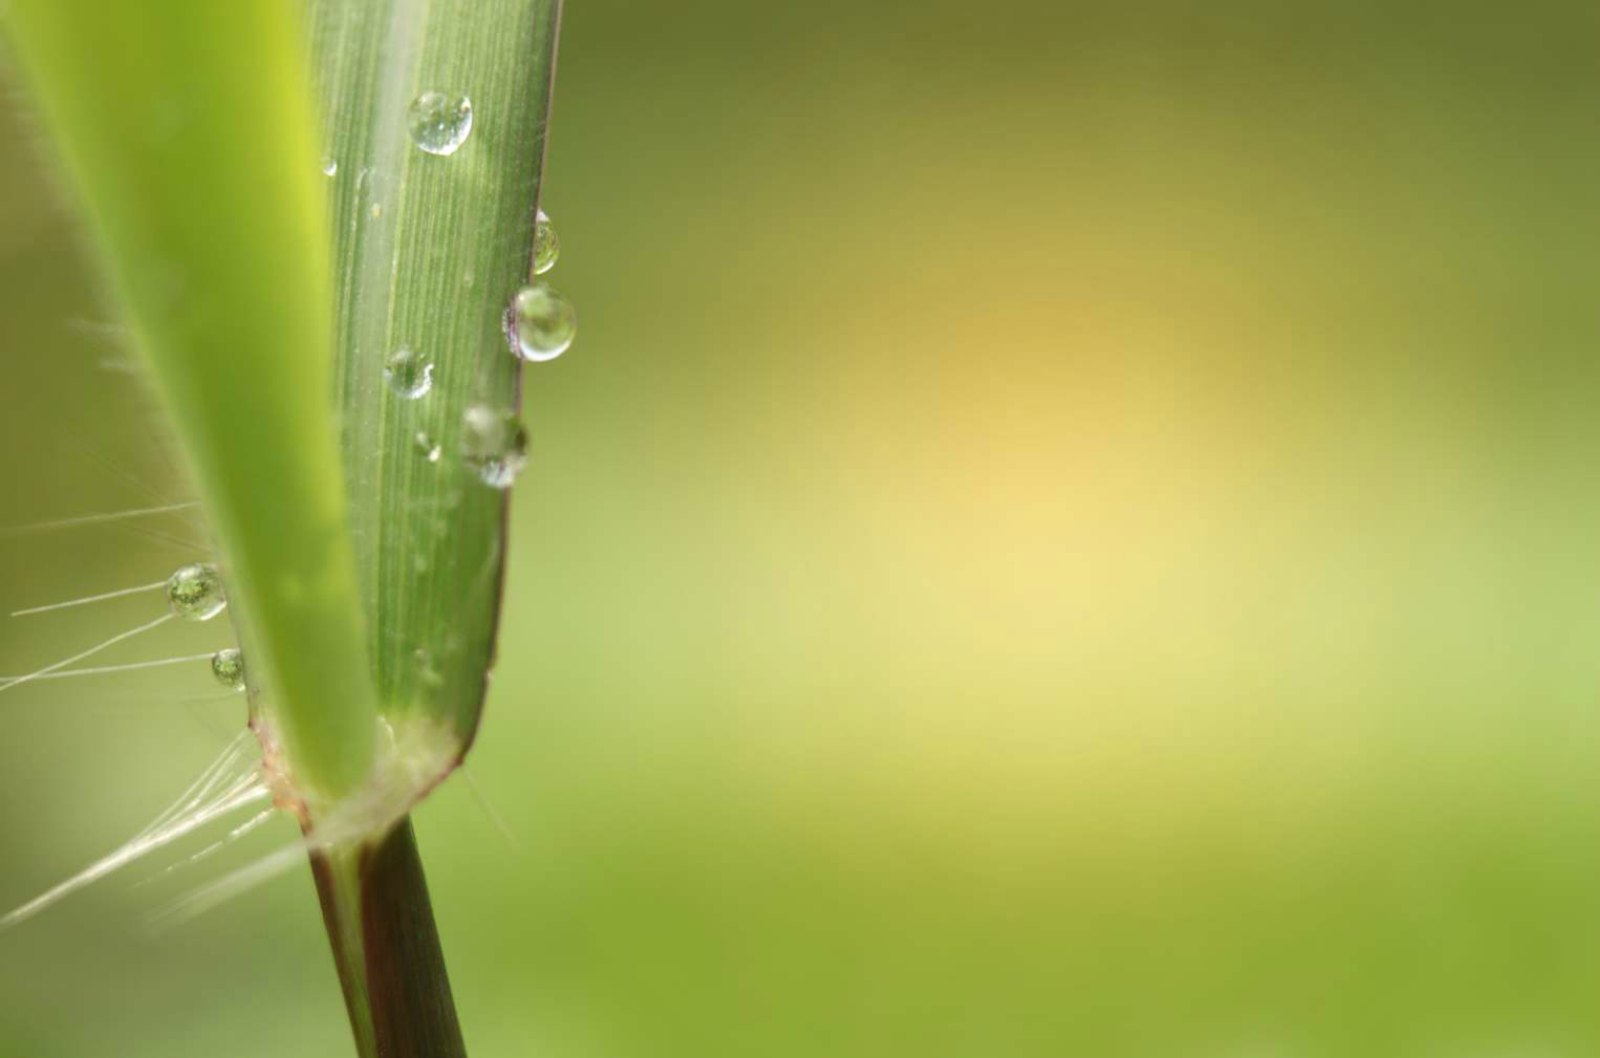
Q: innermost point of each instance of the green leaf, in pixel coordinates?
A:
(188, 129)
(430, 251)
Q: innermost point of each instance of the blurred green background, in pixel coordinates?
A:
(1070, 529)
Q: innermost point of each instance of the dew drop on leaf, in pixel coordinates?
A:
(543, 323)
(330, 167)
(494, 444)
(427, 668)
(440, 123)
(195, 592)
(426, 446)
(409, 374)
(227, 665)
(546, 246)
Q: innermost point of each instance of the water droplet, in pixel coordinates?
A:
(195, 592)
(546, 246)
(427, 447)
(543, 323)
(440, 123)
(376, 211)
(409, 374)
(428, 668)
(330, 167)
(227, 666)
(494, 444)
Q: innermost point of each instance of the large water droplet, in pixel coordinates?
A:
(494, 444)
(440, 123)
(543, 323)
(195, 592)
(426, 446)
(409, 374)
(330, 166)
(546, 246)
(227, 665)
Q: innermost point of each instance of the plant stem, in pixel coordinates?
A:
(386, 946)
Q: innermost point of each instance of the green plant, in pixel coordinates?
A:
(329, 309)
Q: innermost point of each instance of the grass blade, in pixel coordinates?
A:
(199, 176)
(430, 251)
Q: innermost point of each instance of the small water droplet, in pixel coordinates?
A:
(427, 668)
(227, 666)
(195, 592)
(409, 374)
(543, 323)
(546, 246)
(440, 123)
(330, 166)
(494, 444)
(427, 447)
(376, 211)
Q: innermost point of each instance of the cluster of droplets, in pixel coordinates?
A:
(195, 593)
(540, 323)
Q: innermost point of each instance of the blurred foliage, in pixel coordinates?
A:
(1068, 530)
